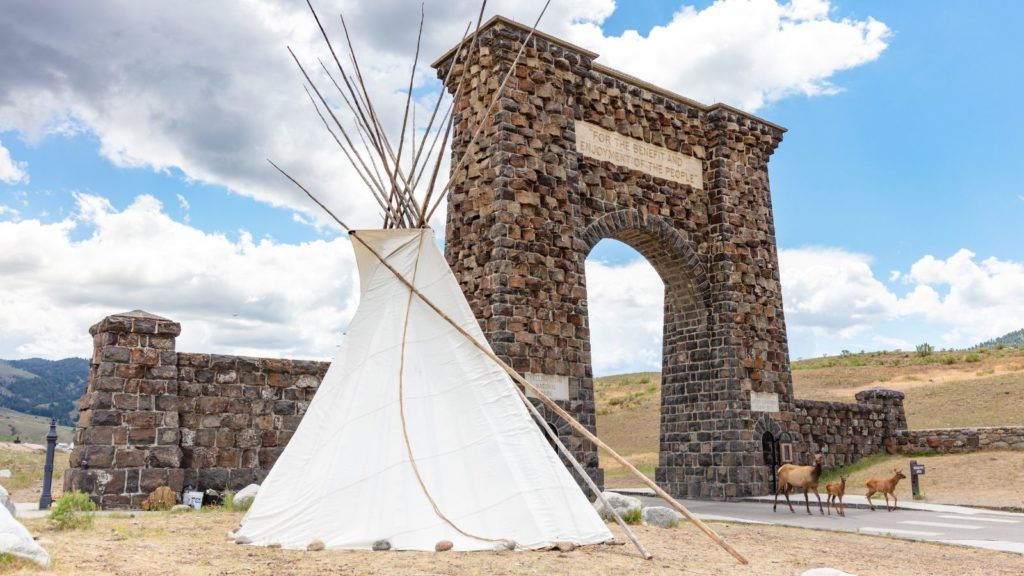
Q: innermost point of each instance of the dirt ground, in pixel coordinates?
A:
(190, 544)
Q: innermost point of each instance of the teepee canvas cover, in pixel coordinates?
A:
(407, 393)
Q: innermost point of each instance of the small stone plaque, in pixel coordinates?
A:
(553, 386)
(764, 401)
(600, 144)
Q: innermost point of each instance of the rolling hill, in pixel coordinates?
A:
(983, 387)
(46, 388)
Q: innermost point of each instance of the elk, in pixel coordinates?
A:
(835, 494)
(885, 486)
(806, 477)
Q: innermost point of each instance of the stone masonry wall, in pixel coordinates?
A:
(845, 432)
(238, 413)
(153, 417)
(959, 440)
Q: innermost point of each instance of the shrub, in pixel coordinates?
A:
(633, 517)
(948, 360)
(925, 349)
(972, 357)
(72, 511)
(1000, 346)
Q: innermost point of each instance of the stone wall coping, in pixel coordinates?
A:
(958, 429)
(498, 19)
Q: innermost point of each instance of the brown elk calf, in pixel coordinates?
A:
(806, 477)
(836, 490)
(885, 486)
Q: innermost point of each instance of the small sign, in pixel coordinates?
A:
(917, 469)
(786, 452)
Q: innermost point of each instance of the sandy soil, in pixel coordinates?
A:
(195, 544)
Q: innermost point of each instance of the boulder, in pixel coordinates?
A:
(5, 499)
(180, 508)
(625, 505)
(660, 516)
(381, 545)
(315, 546)
(565, 546)
(245, 496)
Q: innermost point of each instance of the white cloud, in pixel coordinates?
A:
(626, 315)
(9, 212)
(982, 299)
(743, 52)
(208, 88)
(832, 291)
(11, 171)
(231, 296)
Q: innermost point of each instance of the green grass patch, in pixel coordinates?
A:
(851, 469)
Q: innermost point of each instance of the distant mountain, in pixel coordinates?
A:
(49, 388)
(1011, 340)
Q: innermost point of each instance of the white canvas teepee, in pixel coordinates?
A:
(415, 436)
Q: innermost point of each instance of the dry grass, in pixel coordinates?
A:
(628, 408)
(193, 544)
(991, 479)
(26, 481)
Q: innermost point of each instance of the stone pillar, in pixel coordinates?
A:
(891, 416)
(128, 423)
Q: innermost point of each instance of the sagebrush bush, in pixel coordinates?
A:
(972, 357)
(73, 510)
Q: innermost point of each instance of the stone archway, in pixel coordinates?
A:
(576, 152)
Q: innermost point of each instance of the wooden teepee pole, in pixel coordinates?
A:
(557, 409)
(583, 474)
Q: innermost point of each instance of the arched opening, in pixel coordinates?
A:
(769, 449)
(685, 358)
(625, 300)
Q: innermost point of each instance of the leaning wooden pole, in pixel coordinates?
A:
(556, 408)
(583, 474)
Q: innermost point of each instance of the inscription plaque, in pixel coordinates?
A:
(600, 144)
(553, 386)
(764, 401)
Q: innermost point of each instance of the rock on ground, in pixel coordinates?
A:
(625, 505)
(180, 508)
(660, 516)
(245, 496)
(5, 499)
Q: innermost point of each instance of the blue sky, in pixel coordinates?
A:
(892, 155)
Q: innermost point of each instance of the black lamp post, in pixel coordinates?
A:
(51, 443)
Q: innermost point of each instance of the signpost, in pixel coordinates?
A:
(915, 470)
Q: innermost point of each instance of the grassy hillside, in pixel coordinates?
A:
(981, 387)
(29, 428)
(49, 388)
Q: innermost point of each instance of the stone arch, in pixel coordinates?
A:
(666, 247)
(575, 152)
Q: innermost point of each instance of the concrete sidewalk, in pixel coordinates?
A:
(958, 525)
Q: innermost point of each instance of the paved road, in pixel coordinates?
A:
(948, 524)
